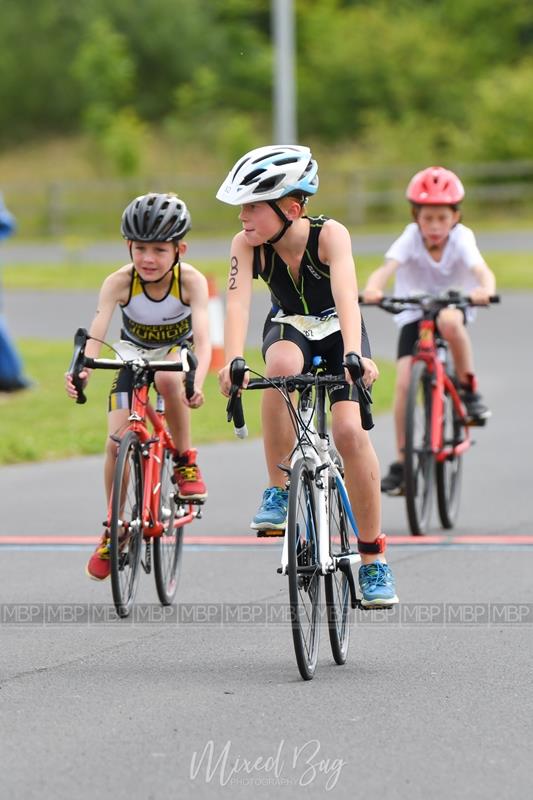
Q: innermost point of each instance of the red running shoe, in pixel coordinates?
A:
(188, 478)
(98, 567)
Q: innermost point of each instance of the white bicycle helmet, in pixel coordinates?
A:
(268, 173)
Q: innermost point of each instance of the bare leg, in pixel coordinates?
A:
(361, 470)
(177, 414)
(452, 328)
(282, 358)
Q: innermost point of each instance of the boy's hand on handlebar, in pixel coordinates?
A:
(372, 295)
(196, 400)
(480, 296)
(371, 371)
(69, 384)
(224, 379)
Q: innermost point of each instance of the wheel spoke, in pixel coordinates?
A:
(419, 458)
(337, 587)
(168, 546)
(125, 524)
(449, 471)
(304, 575)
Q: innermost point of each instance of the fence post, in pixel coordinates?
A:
(54, 209)
(356, 199)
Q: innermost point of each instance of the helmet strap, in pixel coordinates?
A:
(162, 278)
(286, 222)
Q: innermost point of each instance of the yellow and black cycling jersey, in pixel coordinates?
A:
(154, 323)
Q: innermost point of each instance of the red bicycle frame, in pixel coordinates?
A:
(441, 384)
(153, 445)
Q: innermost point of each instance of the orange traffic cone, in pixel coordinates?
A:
(216, 326)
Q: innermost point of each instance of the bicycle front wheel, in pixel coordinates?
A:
(449, 472)
(303, 569)
(337, 584)
(169, 546)
(126, 523)
(419, 460)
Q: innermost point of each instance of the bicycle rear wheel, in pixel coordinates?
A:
(449, 472)
(303, 569)
(419, 460)
(169, 546)
(126, 523)
(337, 584)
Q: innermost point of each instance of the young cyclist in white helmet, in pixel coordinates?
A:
(434, 253)
(308, 266)
(163, 302)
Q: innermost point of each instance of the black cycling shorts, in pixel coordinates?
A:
(121, 392)
(409, 336)
(331, 349)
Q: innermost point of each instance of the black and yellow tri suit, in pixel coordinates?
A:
(156, 323)
(150, 324)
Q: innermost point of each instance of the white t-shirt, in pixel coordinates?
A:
(419, 272)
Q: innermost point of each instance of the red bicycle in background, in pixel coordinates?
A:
(144, 509)
(437, 430)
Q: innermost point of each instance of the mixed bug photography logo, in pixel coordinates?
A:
(303, 765)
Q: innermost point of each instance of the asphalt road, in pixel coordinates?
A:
(434, 702)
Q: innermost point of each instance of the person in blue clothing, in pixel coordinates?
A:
(11, 369)
(307, 263)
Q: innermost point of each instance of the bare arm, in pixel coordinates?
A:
(112, 292)
(336, 250)
(486, 284)
(238, 299)
(196, 289)
(377, 281)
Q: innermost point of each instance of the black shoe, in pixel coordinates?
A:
(392, 484)
(476, 411)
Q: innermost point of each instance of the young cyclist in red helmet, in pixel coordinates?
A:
(435, 253)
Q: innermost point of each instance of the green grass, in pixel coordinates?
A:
(78, 276)
(44, 424)
(513, 271)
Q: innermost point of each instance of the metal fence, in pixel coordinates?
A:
(92, 208)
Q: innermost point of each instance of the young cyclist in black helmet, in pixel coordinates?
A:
(308, 266)
(164, 302)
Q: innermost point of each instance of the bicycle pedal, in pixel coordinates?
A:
(361, 607)
(186, 501)
(270, 534)
(475, 423)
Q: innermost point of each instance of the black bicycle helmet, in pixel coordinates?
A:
(155, 218)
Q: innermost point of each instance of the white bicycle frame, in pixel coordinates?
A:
(315, 450)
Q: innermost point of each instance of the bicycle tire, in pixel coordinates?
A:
(449, 472)
(168, 547)
(419, 460)
(337, 584)
(303, 569)
(126, 523)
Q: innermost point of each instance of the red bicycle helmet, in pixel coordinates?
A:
(435, 186)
